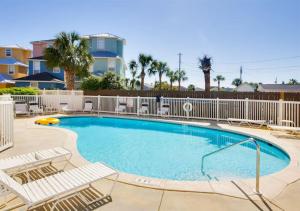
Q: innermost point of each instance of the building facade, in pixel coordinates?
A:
(14, 60)
(106, 49)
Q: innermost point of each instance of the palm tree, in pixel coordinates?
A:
(133, 70)
(219, 78)
(205, 66)
(181, 76)
(71, 53)
(158, 67)
(153, 68)
(172, 77)
(144, 61)
(236, 82)
(293, 81)
(162, 70)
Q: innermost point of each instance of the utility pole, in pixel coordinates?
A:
(179, 61)
(241, 73)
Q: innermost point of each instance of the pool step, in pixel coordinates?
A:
(211, 178)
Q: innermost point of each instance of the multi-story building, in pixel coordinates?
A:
(13, 60)
(107, 50)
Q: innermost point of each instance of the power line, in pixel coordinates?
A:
(261, 61)
(268, 68)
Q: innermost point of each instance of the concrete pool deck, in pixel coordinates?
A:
(29, 137)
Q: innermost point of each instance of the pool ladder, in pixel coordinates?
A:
(239, 143)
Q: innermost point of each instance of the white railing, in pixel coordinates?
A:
(6, 122)
(210, 109)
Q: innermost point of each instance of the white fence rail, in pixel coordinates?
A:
(6, 122)
(211, 109)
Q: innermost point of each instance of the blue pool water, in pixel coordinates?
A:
(170, 151)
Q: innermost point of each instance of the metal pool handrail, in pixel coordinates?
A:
(239, 143)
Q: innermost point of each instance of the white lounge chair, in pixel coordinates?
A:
(293, 130)
(65, 107)
(121, 107)
(248, 122)
(57, 187)
(21, 108)
(164, 110)
(144, 108)
(88, 106)
(18, 163)
(34, 108)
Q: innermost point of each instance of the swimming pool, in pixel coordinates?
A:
(170, 151)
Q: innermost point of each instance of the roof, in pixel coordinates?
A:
(12, 61)
(103, 35)
(100, 35)
(4, 78)
(15, 46)
(37, 58)
(104, 54)
(44, 76)
(279, 88)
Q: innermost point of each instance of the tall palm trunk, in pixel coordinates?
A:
(70, 79)
(142, 78)
(171, 85)
(160, 76)
(218, 85)
(179, 85)
(207, 81)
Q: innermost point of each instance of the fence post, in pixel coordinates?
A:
(218, 108)
(161, 105)
(99, 104)
(138, 106)
(280, 110)
(246, 108)
(117, 106)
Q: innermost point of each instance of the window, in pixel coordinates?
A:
(111, 65)
(100, 43)
(34, 84)
(8, 52)
(56, 70)
(11, 69)
(36, 67)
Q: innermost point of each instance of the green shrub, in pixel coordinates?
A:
(111, 80)
(19, 91)
(90, 83)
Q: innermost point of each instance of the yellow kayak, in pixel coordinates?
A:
(47, 121)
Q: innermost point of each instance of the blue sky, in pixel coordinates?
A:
(261, 35)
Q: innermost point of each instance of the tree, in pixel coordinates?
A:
(160, 68)
(205, 66)
(71, 53)
(172, 77)
(191, 87)
(181, 76)
(219, 78)
(236, 82)
(144, 61)
(153, 68)
(90, 83)
(133, 66)
(111, 81)
(161, 86)
(293, 81)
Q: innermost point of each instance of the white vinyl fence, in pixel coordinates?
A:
(6, 122)
(211, 109)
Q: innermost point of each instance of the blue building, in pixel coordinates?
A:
(107, 50)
